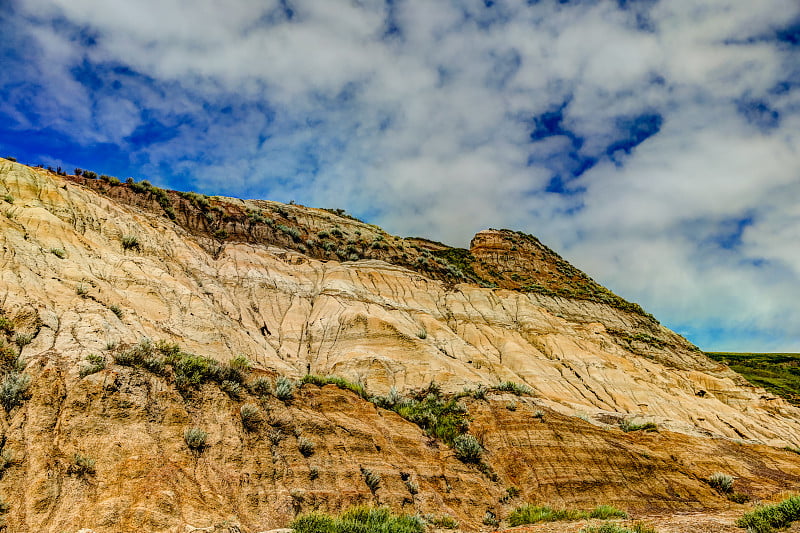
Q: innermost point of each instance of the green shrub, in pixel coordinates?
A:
(442, 418)
(358, 520)
(721, 482)
(6, 325)
(422, 333)
(515, 388)
(738, 497)
(769, 518)
(444, 521)
(468, 449)
(8, 198)
(251, 416)
(130, 242)
(191, 371)
(58, 252)
(13, 389)
(284, 389)
(23, 339)
(342, 383)
(628, 426)
(81, 466)
(4, 507)
(195, 439)
(231, 388)
(490, 519)
(82, 291)
(96, 363)
(607, 511)
(306, 446)
(261, 387)
(136, 355)
(531, 514)
(116, 310)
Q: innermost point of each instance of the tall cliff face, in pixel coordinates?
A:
(299, 290)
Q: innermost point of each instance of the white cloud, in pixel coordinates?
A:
(428, 130)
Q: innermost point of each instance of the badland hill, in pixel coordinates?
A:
(173, 361)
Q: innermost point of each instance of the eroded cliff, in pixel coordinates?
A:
(90, 267)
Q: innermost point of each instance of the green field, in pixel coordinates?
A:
(779, 373)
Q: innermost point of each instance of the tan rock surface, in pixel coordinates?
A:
(383, 324)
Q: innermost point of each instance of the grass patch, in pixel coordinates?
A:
(769, 518)
(611, 527)
(188, 370)
(130, 242)
(779, 373)
(95, 363)
(342, 383)
(514, 388)
(532, 514)
(360, 519)
(628, 426)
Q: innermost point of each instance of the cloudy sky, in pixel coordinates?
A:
(655, 144)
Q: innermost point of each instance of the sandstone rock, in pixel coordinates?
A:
(385, 324)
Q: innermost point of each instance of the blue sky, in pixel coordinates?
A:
(655, 144)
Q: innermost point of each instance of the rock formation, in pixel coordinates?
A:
(90, 267)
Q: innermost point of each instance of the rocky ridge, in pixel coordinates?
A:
(90, 267)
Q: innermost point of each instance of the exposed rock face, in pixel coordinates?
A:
(222, 282)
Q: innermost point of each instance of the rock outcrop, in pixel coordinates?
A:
(89, 267)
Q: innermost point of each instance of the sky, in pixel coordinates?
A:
(654, 144)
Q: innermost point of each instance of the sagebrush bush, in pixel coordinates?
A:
(514, 388)
(721, 482)
(13, 389)
(306, 446)
(96, 363)
(251, 416)
(195, 438)
(130, 242)
(261, 386)
(628, 426)
(81, 465)
(468, 449)
(284, 388)
(444, 521)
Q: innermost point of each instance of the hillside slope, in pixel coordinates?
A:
(89, 267)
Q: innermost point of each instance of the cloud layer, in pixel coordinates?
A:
(654, 143)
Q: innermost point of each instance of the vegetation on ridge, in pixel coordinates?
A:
(779, 373)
